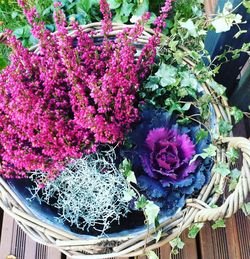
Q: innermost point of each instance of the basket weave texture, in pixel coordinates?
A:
(196, 210)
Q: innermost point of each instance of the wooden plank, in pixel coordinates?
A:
(232, 239)
(8, 231)
(220, 243)
(206, 242)
(243, 229)
(53, 253)
(165, 252)
(41, 251)
(19, 243)
(1, 221)
(30, 250)
(190, 248)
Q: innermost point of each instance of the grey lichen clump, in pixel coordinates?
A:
(89, 192)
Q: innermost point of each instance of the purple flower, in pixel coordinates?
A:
(168, 155)
(162, 156)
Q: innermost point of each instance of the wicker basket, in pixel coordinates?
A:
(196, 210)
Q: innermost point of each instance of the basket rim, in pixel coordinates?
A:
(133, 246)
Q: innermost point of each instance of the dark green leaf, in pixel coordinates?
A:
(141, 202)
(225, 127)
(201, 135)
(237, 114)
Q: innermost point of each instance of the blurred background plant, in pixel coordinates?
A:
(84, 11)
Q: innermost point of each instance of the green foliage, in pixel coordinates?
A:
(210, 151)
(201, 135)
(225, 127)
(141, 202)
(246, 3)
(126, 169)
(176, 244)
(128, 10)
(226, 19)
(222, 169)
(194, 230)
(218, 88)
(232, 154)
(152, 255)
(237, 114)
(220, 223)
(151, 212)
(246, 208)
(233, 179)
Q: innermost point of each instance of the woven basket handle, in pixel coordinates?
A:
(236, 199)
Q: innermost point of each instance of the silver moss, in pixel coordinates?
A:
(89, 192)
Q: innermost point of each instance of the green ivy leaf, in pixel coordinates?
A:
(186, 106)
(235, 174)
(114, 4)
(177, 243)
(125, 167)
(158, 236)
(167, 74)
(234, 178)
(218, 88)
(232, 184)
(232, 154)
(3, 62)
(246, 3)
(225, 127)
(222, 169)
(201, 135)
(225, 20)
(14, 15)
(194, 230)
(127, 8)
(141, 8)
(141, 202)
(151, 212)
(217, 189)
(184, 121)
(173, 44)
(190, 27)
(23, 32)
(246, 208)
(210, 151)
(131, 177)
(220, 223)
(237, 114)
(189, 79)
(152, 255)
(128, 195)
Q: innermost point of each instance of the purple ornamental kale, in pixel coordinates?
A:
(162, 159)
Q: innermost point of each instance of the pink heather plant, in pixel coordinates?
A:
(71, 94)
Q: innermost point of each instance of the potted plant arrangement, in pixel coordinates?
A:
(114, 138)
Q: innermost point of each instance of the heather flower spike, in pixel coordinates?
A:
(107, 17)
(69, 96)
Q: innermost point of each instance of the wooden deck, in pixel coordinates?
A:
(232, 242)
